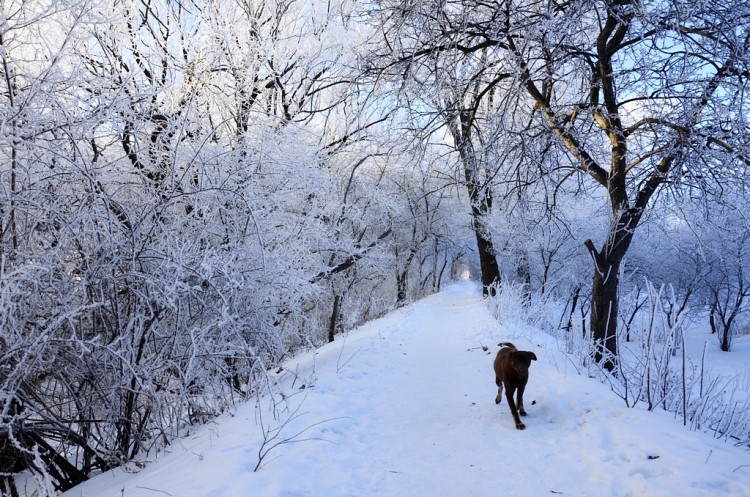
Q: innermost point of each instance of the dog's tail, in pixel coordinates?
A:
(506, 344)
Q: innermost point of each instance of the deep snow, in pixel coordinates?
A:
(404, 406)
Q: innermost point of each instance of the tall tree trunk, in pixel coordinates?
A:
(487, 259)
(480, 197)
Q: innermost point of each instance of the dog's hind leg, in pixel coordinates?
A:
(499, 384)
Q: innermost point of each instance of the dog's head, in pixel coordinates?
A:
(522, 358)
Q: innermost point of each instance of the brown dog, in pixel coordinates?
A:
(512, 370)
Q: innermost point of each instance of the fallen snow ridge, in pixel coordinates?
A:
(405, 407)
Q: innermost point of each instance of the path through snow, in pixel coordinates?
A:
(406, 409)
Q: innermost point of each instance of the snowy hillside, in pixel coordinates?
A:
(405, 407)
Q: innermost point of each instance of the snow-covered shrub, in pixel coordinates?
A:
(522, 313)
(654, 370)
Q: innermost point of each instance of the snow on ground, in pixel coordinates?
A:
(405, 407)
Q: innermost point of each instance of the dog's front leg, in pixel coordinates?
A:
(509, 395)
(519, 400)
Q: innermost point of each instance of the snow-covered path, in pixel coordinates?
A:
(405, 407)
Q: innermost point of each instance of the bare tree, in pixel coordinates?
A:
(727, 280)
(657, 134)
(639, 95)
(420, 48)
(150, 233)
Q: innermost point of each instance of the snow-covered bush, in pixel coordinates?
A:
(523, 313)
(655, 371)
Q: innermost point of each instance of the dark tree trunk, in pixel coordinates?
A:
(604, 306)
(401, 279)
(487, 260)
(725, 341)
(573, 305)
(605, 286)
(333, 325)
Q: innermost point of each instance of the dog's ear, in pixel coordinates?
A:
(533, 356)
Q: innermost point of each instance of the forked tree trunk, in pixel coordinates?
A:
(605, 286)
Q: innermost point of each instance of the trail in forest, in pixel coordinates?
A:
(404, 407)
